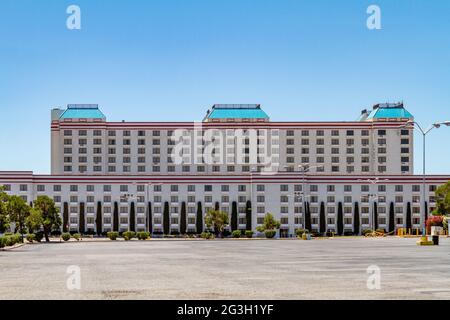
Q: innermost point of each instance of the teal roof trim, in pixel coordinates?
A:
(237, 114)
(381, 113)
(82, 113)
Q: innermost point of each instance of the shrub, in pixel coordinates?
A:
(299, 232)
(12, 239)
(112, 235)
(128, 235)
(380, 230)
(66, 236)
(31, 237)
(270, 233)
(39, 236)
(143, 235)
(249, 234)
(236, 234)
(2, 242)
(76, 236)
(366, 232)
(207, 235)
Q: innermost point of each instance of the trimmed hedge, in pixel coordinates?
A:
(31, 237)
(112, 235)
(143, 235)
(270, 233)
(249, 234)
(9, 240)
(207, 235)
(77, 236)
(128, 235)
(236, 234)
(66, 236)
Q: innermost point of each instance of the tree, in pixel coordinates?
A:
(391, 218)
(356, 224)
(199, 219)
(116, 217)
(217, 220)
(166, 218)
(375, 215)
(50, 215)
(132, 218)
(442, 200)
(307, 217)
(18, 211)
(269, 223)
(183, 218)
(248, 216)
(234, 219)
(34, 220)
(4, 218)
(82, 223)
(408, 217)
(98, 219)
(340, 220)
(149, 218)
(322, 222)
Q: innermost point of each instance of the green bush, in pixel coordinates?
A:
(207, 235)
(143, 235)
(366, 231)
(299, 232)
(236, 234)
(249, 234)
(66, 236)
(10, 240)
(39, 236)
(2, 242)
(381, 230)
(77, 236)
(31, 237)
(112, 235)
(128, 235)
(270, 233)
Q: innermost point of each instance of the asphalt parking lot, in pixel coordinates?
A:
(228, 269)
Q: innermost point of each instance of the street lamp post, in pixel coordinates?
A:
(424, 133)
(372, 197)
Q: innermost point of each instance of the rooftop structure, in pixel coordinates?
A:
(80, 111)
(236, 112)
(387, 112)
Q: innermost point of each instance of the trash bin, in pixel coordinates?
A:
(435, 240)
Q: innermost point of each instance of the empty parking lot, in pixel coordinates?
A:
(228, 269)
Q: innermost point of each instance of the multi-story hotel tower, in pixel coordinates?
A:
(164, 176)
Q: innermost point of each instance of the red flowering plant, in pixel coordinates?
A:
(434, 221)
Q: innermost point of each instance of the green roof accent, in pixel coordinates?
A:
(382, 111)
(237, 112)
(82, 111)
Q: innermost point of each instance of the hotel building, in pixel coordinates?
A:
(164, 176)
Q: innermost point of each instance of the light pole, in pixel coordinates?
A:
(372, 197)
(416, 125)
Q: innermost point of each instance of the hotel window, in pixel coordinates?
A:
(320, 142)
(313, 188)
(67, 150)
(208, 188)
(382, 169)
(432, 188)
(348, 199)
(242, 199)
(68, 141)
(381, 188)
(7, 187)
(404, 141)
(331, 188)
(284, 199)
(331, 199)
(40, 188)
(107, 199)
(416, 188)
(365, 133)
(284, 220)
(335, 133)
(404, 150)
(90, 199)
(335, 168)
(174, 199)
(381, 132)
(290, 133)
(382, 150)
(350, 133)
(320, 133)
(305, 133)
(57, 199)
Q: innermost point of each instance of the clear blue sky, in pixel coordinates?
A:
(171, 60)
